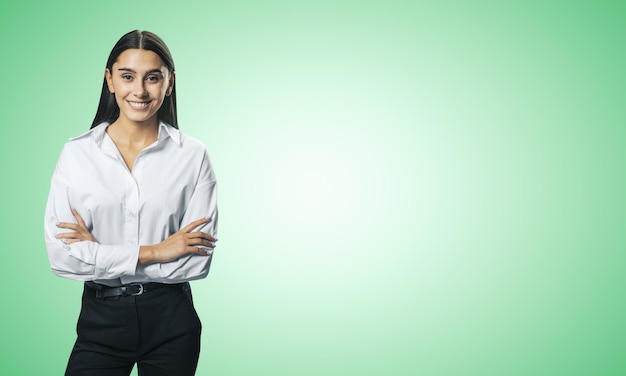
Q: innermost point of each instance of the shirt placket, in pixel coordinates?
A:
(130, 204)
(131, 212)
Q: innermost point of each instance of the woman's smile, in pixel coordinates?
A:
(139, 105)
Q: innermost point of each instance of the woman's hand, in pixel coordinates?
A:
(182, 243)
(81, 233)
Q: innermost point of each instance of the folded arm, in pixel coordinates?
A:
(185, 255)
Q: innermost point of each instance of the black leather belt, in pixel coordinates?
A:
(131, 289)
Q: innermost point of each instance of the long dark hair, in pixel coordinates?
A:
(108, 110)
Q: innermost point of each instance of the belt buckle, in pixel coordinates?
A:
(141, 289)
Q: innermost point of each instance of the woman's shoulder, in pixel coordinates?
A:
(75, 152)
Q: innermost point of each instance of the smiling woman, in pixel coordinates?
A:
(132, 212)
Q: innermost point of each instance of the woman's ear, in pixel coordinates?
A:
(109, 79)
(171, 84)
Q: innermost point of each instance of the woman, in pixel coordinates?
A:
(132, 212)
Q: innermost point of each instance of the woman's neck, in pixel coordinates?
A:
(133, 133)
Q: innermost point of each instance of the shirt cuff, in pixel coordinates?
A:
(116, 261)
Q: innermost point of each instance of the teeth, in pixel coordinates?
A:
(138, 104)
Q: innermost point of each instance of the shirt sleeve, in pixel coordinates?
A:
(84, 260)
(202, 204)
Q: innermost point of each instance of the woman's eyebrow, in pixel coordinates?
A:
(155, 70)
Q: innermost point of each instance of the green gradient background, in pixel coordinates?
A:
(406, 188)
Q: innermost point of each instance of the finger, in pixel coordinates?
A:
(67, 235)
(72, 241)
(203, 235)
(194, 224)
(206, 243)
(79, 218)
(200, 241)
(198, 251)
(71, 226)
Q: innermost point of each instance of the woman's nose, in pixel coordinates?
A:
(140, 89)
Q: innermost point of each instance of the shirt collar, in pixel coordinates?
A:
(170, 132)
(98, 132)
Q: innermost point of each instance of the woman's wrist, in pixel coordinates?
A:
(146, 255)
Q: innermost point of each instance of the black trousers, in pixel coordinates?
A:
(159, 331)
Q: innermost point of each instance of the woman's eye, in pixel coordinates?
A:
(127, 77)
(152, 78)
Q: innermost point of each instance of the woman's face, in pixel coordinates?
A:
(140, 82)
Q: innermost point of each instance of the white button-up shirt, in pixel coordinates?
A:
(172, 183)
